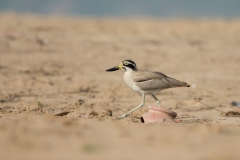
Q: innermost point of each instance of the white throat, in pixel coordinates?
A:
(128, 69)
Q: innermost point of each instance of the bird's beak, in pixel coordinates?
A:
(119, 67)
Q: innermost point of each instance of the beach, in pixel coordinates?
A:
(58, 102)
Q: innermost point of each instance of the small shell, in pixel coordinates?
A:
(158, 115)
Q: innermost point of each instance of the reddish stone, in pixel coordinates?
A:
(158, 115)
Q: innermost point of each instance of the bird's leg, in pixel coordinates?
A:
(158, 101)
(142, 104)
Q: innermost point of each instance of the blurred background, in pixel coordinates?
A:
(126, 8)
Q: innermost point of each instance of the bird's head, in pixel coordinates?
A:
(127, 65)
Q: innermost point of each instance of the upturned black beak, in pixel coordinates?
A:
(113, 69)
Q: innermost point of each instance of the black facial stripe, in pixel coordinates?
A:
(130, 66)
(131, 62)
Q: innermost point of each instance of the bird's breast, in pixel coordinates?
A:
(129, 80)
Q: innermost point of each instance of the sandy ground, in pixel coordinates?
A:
(53, 66)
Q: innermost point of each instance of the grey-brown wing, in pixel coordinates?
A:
(156, 80)
(142, 76)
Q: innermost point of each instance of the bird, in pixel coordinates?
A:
(145, 82)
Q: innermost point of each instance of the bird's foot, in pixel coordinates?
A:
(123, 116)
(159, 103)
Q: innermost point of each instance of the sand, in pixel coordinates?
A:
(57, 101)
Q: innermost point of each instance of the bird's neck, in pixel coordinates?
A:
(131, 70)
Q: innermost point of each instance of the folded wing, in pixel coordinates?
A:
(156, 81)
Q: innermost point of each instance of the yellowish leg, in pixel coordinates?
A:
(158, 101)
(142, 104)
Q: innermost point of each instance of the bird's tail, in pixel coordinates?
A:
(177, 83)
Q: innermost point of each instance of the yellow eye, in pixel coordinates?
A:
(125, 63)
